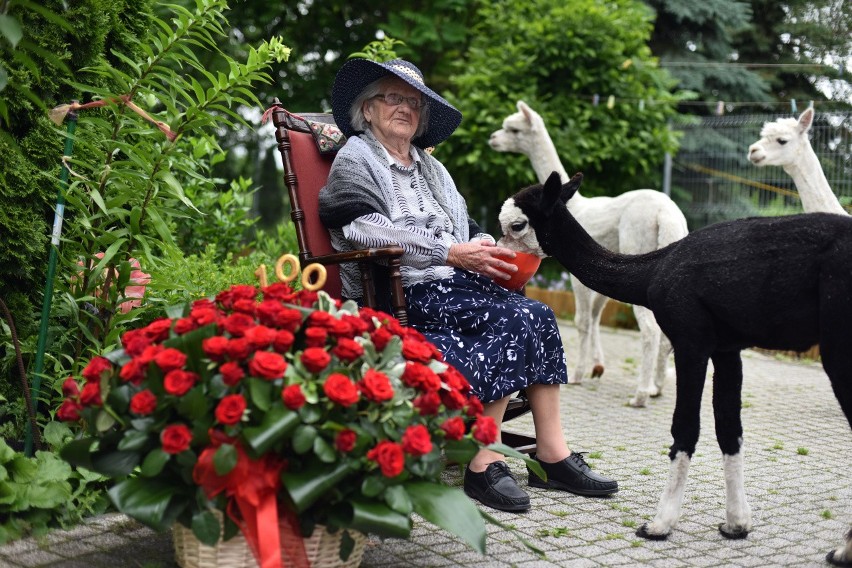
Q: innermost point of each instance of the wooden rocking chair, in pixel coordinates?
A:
(305, 173)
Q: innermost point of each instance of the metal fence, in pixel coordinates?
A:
(712, 179)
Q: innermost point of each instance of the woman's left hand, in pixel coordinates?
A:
(482, 257)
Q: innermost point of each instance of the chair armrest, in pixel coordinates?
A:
(364, 257)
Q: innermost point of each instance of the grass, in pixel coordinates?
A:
(802, 451)
(555, 532)
(645, 471)
(826, 514)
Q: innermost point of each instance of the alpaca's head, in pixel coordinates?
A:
(532, 209)
(782, 141)
(520, 133)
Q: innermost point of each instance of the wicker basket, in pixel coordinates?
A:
(322, 549)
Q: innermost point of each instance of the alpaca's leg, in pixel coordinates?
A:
(598, 304)
(691, 371)
(649, 336)
(662, 369)
(582, 320)
(727, 404)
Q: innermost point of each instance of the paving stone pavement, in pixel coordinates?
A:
(797, 458)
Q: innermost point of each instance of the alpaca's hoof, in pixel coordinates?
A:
(834, 559)
(639, 401)
(643, 532)
(737, 534)
(655, 391)
(597, 371)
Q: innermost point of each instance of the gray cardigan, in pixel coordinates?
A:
(360, 187)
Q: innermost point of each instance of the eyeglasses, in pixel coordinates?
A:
(394, 99)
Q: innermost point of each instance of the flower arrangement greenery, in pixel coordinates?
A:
(278, 400)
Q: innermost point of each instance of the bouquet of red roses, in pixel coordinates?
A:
(274, 405)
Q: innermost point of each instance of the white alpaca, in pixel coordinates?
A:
(785, 143)
(634, 222)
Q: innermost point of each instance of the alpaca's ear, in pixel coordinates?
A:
(568, 190)
(525, 110)
(551, 191)
(806, 119)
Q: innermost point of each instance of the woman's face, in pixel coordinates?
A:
(393, 123)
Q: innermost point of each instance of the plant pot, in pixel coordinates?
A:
(322, 549)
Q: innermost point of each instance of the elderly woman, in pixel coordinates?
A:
(384, 188)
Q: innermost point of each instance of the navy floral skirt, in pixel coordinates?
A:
(499, 340)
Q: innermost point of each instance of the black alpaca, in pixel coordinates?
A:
(775, 282)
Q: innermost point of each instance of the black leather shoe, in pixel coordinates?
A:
(574, 475)
(496, 487)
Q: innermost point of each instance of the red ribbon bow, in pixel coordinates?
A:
(252, 488)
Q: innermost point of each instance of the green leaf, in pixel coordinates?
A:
(450, 509)
(303, 438)
(379, 519)
(11, 29)
(154, 462)
(104, 421)
(277, 424)
(324, 451)
(133, 440)
(116, 463)
(194, 404)
(397, 499)
(260, 391)
(312, 482)
(78, 452)
(513, 453)
(225, 459)
(372, 486)
(206, 527)
(149, 501)
(460, 451)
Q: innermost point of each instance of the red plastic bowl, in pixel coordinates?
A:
(527, 265)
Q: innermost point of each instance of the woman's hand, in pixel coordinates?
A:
(482, 257)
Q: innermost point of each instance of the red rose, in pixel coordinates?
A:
(69, 410)
(243, 292)
(453, 399)
(315, 359)
(289, 319)
(267, 312)
(260, 336)
(454, 428)
(96, 369)
(169, 359)
(277, 291)
(245, 306)
(149, 353)
(293, 397)
(204, 315)
(485, 430)
(230, 409)
(389, 456)
(135, 341)
(283, 341)
(238, 348)
(420, 376)
(320, 318)
(338, 388)
(178, 382)
(143, 403)
(267, 365)
(158, 330)
(376, 386)
(416, 440)
(474, 406)
(133, 372)
(91, 394)
(237, 324)
(345, 440)
(70, 387)
(184, 325)
(232, 373)
(380, 338)
(315, 336)
(415, 350)
(306, 298)
(339, 328)
(358, 325)
(427, 403)
(347, 349)
(175, 438)
(215, 347)
(455, 380)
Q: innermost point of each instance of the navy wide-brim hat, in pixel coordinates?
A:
(356, 74)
